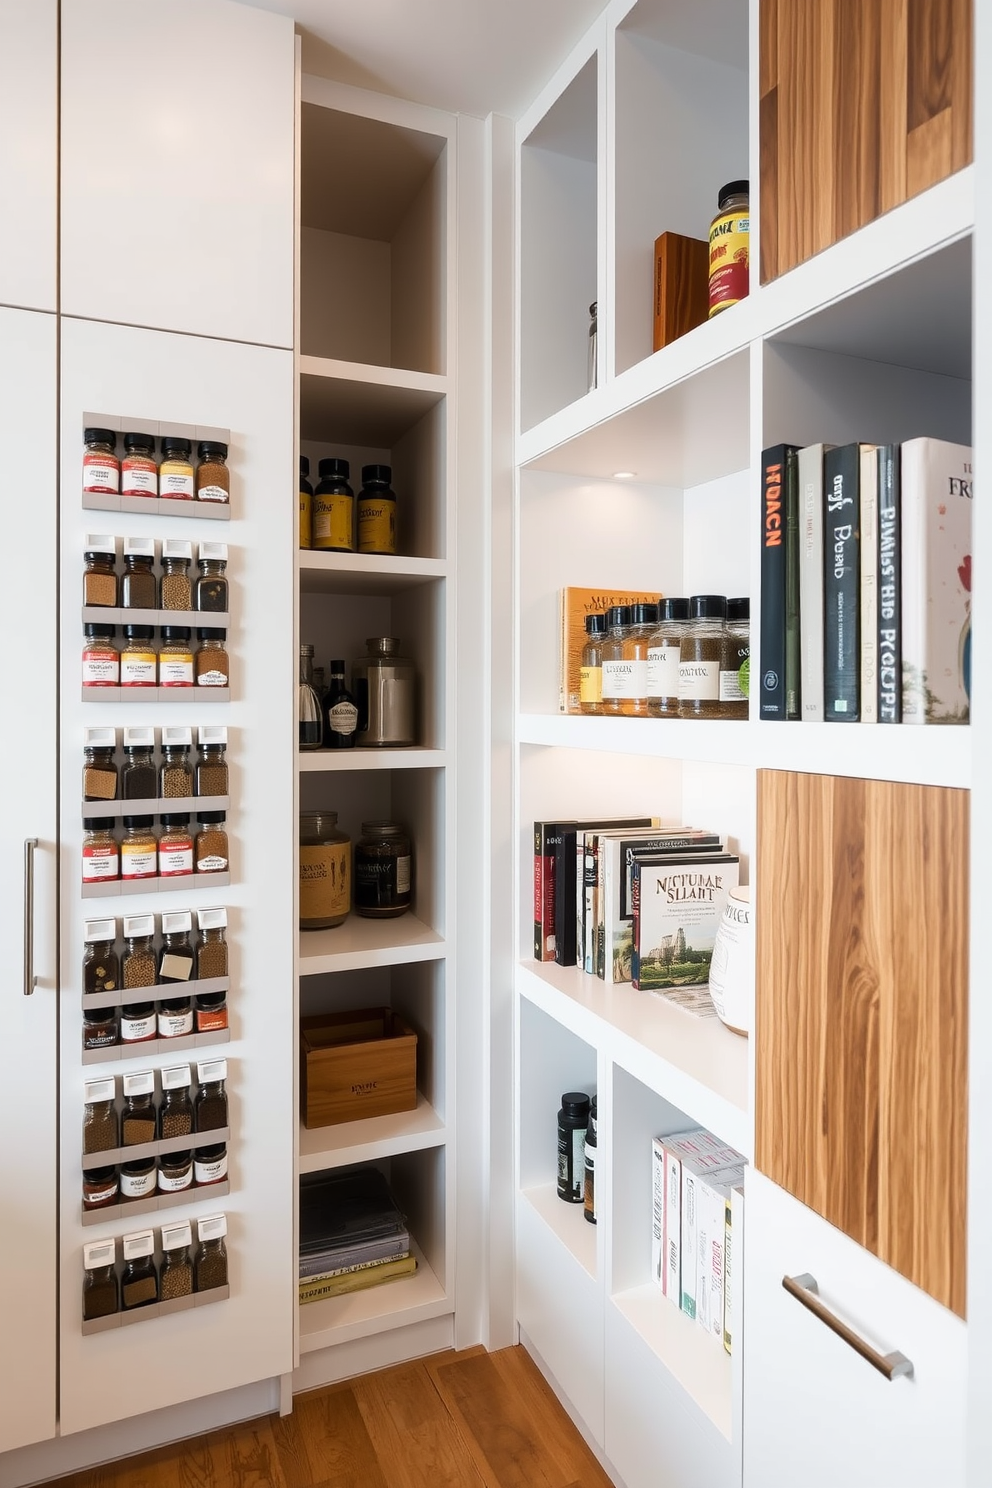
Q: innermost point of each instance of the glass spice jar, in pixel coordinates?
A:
(643, 622)
(177, 1268)
(139, 1279)
(138, 968)
(175, 586)
(664, 654)
(139, 470)
(101, 1028)
(139, 849)
(210, 1165)
(210, 1111)
(101, 1295)
(138, 581)
(325, 871)
(175, 961)
(101, 855)
(101, 659)
(212, 663)
(376, 511)
(175, 846)
(735, 658)
(101, 1131)
(175, 1172)
(213, 479)
(101, 966)
(175, 1114)
(101, 467)
(210, 1266)
(383, 876)
(176, 480)
(139, 660)
(211, 950)
(99, 769)
(210, 1012)
(138, 773)
(210, 850)
(175, 777)
(99, 572)
(591, 668)
(175, 1017)
(699, 658)
(211, 595)
(138, 1115)
(137, 1179)
(212, 775)
(175, 657)
(138, 1023)
(615, 669)
(100, 1188)
(334, 509)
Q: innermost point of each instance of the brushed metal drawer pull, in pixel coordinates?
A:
(30, 980)
(806, 1291)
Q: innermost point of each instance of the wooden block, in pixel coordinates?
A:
(354, 1065)
(681, 271)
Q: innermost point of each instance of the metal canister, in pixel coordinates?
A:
(385, 688)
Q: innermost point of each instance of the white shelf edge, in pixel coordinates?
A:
(567, 1222)
(372, 373)
(318, 761)
(378, 565)
(696, 1360)
(406, 1299)
(371, 1138)
(359, 943)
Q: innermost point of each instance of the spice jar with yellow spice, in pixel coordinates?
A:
(176, 477)
(325, 871)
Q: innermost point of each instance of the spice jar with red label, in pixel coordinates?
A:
(101, 855)
(101, 467)
(101, 658)
(139, 470)
(139, 659)
(100, 1188)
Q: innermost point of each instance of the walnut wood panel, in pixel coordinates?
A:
(861, 1013)
(863, 105)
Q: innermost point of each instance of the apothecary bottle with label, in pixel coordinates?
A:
(383, 871)
(616, 671)
(325, 871)
(99, 769)
(139, 469)
(340, 711)
(138, 587)
(643, 623)
(591, 667)
(699, 658)
(99, 572)
(211, 595)
(664, 655)
(101, 467)
(735, 659)
(310, 715)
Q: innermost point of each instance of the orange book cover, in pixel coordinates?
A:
(573, 607)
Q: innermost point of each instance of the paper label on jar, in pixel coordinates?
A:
(325, 880)
(168, 1184)
(136, 1028)
(137, 1185)
(638, 679)
(730, 688)
(138, 669)
(139, 480)
(212, 863)
(174, 486)
(100, 670)
(209, 1020)
(175, 861)
(176, 968)
(403, 875)
(332, 519)
(213, 678)
(663, 671)
(590, 684)
(100, 474)
(699, 681)
(175, 671)
(212, 1170)
(138, 862)
(175, 1025)
(618, 679)
(377, 526)
(212, 493)
(94, 1198)
(100, 862)
(343, 718)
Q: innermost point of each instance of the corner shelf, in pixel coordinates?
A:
(360, 942)
(696, 1359)
(567, 1222)
(372, 1138)
(393, 1304)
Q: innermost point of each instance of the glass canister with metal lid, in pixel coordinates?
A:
(385, 688)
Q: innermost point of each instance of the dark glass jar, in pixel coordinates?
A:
(211, 594)
(138, 581)
(175, 1114)
(573, 1123)
(100, 1188)
(138, 1115)
(210, 1165)
(99, 769)
(101, 1028)
(101, 1296)
(101, 1128)
(139, 1281)
(211, 1257)
(334, 509)
(175, 1172)
(212, 777)
(376, 511)
(101, 964)
(211, 949)
(383, 871)
(210, 1112)
(139, 778)
(137, 1179)
(100, 573)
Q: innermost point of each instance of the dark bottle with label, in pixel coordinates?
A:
(589, 1187)
(573, 1120)
(340, 712)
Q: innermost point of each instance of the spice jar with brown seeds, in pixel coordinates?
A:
(213, 479)
(211, 950)
(101, 1130)
(211, 1257)
(101, 1297)
(177, 1267)
(139, 1282)
(139, 659)
(211, 1097)
(699, 658)
(138, 774)
(175, 586)
(175, 1114)
(211, 852)
(138, 1115)
(139, 849)
(212, 776)
(175, 779)
(175, 846)
(99, 769)
(139, 470)
(138, 581)
(175, 1171)
(139, 957)
(212, 662)
(100, 1188)
(99, 572)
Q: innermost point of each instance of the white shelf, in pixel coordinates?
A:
(318, 761)
(360, 942)
(354, 403)
(696, 1359)
(567, 1221)
(372, 1138)
(364, 573)
(695, 1063)
(393, 1304)
(925, 756)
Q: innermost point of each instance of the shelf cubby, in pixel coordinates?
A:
(359, 942)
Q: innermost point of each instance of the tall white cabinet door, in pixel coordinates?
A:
(29, 182)
(147, 378)
(178, 166)
(28, 766)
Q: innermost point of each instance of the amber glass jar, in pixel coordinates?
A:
(139, 659)
(175, 586)
(210, 850)
(212, 773)
(211, 595)
(213, 479)
(213, 665)
(325, 871)
(100, 573)
(138, 588)
(383, 871)
(99, 769)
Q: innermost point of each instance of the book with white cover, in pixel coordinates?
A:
(811, 581)
(695, 1145)
(937, 490)
(869, 583)
(712, 1196)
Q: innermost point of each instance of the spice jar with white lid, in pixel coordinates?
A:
(139, 1281)
(101, 1294)
(177, 1268)
(211, 1098)
(176, 958)
(664, 655)
(175, 586)
(100, 571)
(175, 779)
(176, 479)
(138, 1116)
(138, 1023)
(101, 1129)
(211, 950)
(211, 583)
(99, 769)
(101, 660)
(139, 469)
(101, 467)
(101, 966)
(139, 849)
(211, 662)
(138, 581)
(210, 850)
(175, 1114)
(138, 774)
(212, 776)
(210, 1266)
(101, 853)
(139, 659)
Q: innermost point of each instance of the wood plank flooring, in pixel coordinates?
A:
(454, 1420)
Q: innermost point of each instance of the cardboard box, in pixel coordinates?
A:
(681, 286)
(354, 1065)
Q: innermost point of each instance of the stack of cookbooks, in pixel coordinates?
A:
(352, 1234)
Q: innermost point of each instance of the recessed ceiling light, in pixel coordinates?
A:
(624, 474)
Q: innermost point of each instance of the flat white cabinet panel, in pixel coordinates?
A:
(815, 1411)
(27, 762)
(177, 166)
(249, 390)
(29, 181)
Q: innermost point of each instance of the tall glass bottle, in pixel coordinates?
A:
(643, 623)
(591, 670)
(311, 717)
(340, 712)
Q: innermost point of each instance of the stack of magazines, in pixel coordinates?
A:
(352, 1234)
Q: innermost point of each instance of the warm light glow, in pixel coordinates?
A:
(624, 474)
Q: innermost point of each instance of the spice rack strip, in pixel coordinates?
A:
(156, 1046)
(121, 423)
(134, 1207)
(114, 615)
(155, 694)
(154, 806)
(156, 506)
(155, 1310)
(111, 1157)
(117, 888)
(158, 992)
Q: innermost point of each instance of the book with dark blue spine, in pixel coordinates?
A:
(841, 584)
(778, 465)
(889, 585)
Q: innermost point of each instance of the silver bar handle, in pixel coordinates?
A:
(806, 1291)
(30, 980)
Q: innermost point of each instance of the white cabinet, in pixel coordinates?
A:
(817, 1412)
(29, 158)
(28, 1090)
(177, 173)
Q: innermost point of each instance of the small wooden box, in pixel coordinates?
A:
(354, 1065)
(681, 286)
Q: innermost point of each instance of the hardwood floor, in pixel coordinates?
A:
(454, 1420)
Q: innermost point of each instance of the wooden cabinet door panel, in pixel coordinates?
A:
(861, 1009)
